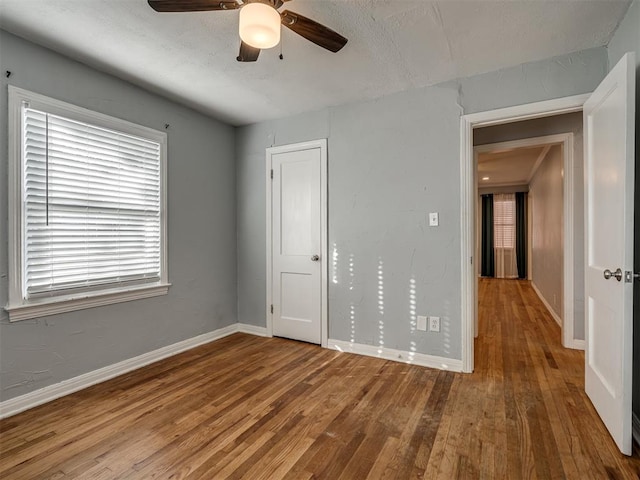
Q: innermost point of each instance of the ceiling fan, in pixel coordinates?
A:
(259, 23)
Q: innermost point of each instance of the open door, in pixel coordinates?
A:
(609, 194)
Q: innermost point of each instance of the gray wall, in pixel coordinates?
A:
(567, 123)
(627, 36)
(627, 39)
(391, 162)
(202, 225)
(545, 201)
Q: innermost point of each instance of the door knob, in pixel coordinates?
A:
(617, 274)
(315, 258)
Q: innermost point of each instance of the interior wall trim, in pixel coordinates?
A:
(29, 400)
(252, 329)
(414, 358)
(38, 397)
(547, 305)
(574, 343)
(468, 195)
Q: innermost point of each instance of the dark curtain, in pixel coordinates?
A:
(488, 255)
(521, 234)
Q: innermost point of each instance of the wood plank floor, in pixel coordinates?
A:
(256, 408)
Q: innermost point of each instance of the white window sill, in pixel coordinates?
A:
(69, 303)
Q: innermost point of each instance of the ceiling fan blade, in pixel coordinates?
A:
(248, 53)
(192, 5)
(313, 31)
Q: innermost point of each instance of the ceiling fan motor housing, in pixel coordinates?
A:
(260, 23)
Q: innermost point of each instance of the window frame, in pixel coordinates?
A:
(21, 308)
(502, 246)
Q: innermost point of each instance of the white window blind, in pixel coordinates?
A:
(91, 206)
(504, 219)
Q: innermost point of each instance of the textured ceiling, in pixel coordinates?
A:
(509, 167)
(393, 45)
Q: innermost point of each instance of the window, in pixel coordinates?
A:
(504, 221)
(87, 208)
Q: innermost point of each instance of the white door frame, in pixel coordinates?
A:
(467, 197)
(566, 323)
(322, 145)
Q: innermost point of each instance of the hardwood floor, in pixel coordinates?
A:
(257, 408)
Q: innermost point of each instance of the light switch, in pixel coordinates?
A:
(422, 323)
(433, 219)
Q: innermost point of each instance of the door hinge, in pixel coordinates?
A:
(271, 308)
(471, 260)
(272, 174)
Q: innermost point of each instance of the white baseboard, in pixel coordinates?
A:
(252, 329)
(38, 397)
(51, 392)
(575, 343)
(578, 344)
(424, 360)
(555, 316)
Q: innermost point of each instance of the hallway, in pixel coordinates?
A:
(545, 426)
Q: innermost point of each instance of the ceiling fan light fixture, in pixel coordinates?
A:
(259, 25)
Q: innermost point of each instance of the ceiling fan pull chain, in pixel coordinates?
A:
(281, 57)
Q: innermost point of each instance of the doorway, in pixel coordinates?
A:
(609, 165)
(540, 173)
(469, 198)
(296, 186)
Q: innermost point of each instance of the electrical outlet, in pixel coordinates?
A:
(434, 324)
(422, 323)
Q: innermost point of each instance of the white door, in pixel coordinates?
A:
(609, 177)
(298, 246)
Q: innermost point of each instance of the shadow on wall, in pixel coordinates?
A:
(356, 316)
